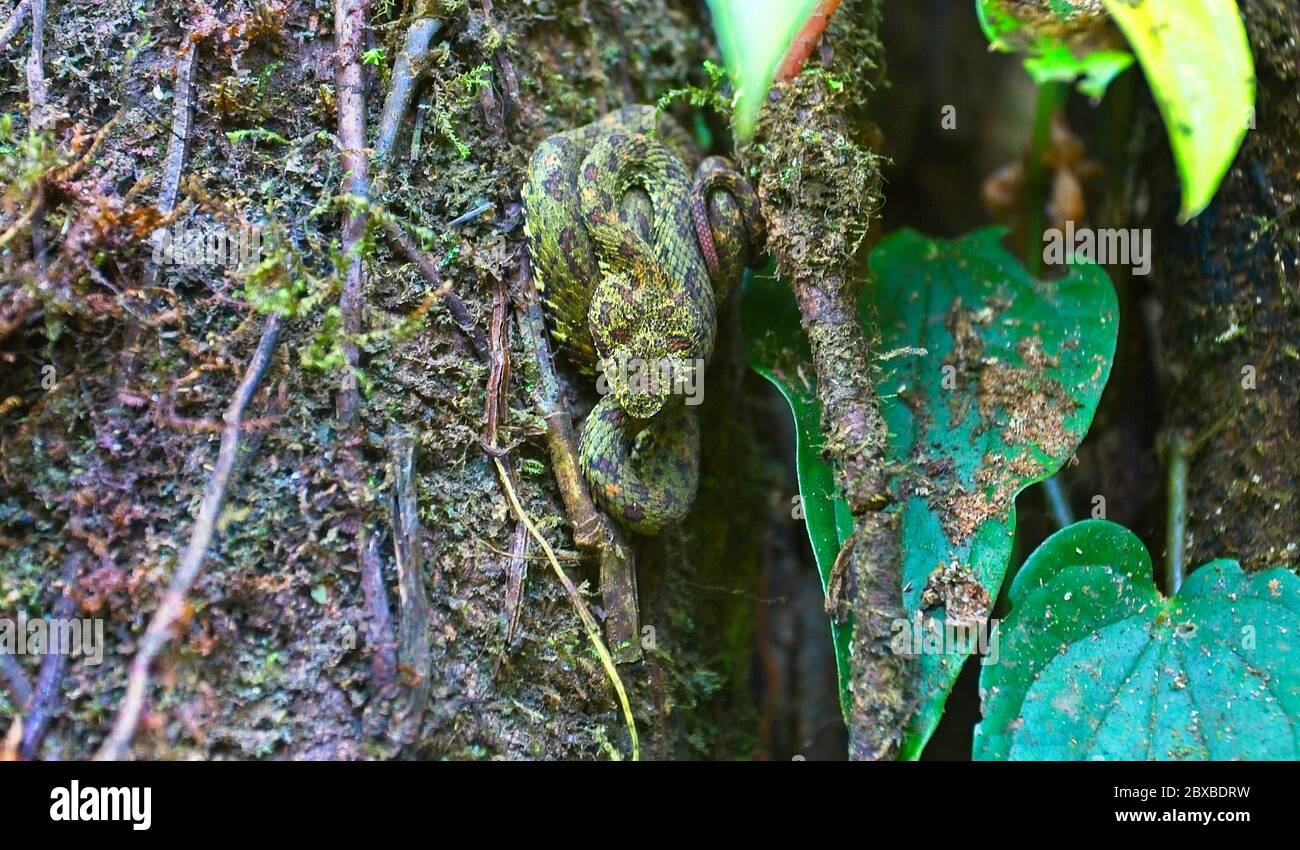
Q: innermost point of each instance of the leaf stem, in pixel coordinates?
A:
(1058, 502)
(1180, 453)
(1050, 98)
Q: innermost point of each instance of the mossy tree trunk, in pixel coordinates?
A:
(278, 652)
(1229, 285)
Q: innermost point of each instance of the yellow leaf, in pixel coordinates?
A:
(1197, 60)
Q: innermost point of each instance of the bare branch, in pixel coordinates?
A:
(44, 701)
(349, 79)
(401, 88)
(455, 306)
(173, 601)
(16, 19)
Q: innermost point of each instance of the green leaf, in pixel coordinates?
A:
(1094, 72)
(1049, 59)
(753, 37)
(1094, 664)
(778, 350)
(1198, 63)
(1012, 375)
(1028, 363)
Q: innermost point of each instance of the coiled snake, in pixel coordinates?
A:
(632, 258)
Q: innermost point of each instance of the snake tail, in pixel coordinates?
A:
(643, 472)
(728, 223)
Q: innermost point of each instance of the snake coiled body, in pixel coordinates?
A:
(632, 257)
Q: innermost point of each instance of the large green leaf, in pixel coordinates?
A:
(1094, 664)
(991, 379)
(753, 37)
(778, 350)
(1198, 63)
(1029, 360)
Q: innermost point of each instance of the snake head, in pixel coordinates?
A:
(651, 341)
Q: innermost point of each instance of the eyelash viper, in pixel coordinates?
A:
(632, 257)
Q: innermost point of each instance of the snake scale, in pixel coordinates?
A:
(632, 255)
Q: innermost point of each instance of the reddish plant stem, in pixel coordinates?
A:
(802, 46)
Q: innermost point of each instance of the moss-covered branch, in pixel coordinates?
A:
(819, 184)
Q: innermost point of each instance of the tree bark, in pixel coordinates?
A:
(1229, 285)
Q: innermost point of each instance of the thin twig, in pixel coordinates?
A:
(349, 79)
(177, 143)
(516, 576)
(401, 87)
(178, 140)
(417, 128)
(36, 92)
(44, 702)
(14, 229)
(497, 409)
(509, 80)
(588, 621)
(593, 532)
(39, 120)
(15, 21)
(173, 601)
(498, 363)
(455, 306)
(466, 218)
